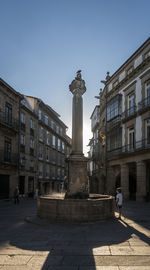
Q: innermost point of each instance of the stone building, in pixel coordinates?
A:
(28, 149)
(126, 107)
(33, 145)
(53, 146)
(9, 137)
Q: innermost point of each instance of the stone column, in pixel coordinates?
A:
(77, 124)
(78, 185)
(110, 181)
(125, 180)
(141, 180)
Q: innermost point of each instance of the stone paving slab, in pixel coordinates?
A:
(134, 268)
(130, 250)
(106, 260)
(22, 252)
(14, 260)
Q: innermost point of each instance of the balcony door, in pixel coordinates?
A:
(131, 104)
(131, 139)
(8, 114)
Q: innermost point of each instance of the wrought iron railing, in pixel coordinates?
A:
(9, 121)
(138, 146)
(144, 104)
(131, 112)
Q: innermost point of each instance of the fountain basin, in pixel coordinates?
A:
(57, 209)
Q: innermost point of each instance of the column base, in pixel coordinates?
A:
(78, 186)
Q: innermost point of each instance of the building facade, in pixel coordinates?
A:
(125, 117)
(33, 145)
(28, 163)
(9, 137)
(53, 146)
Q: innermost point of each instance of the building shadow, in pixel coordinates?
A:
(68, 246)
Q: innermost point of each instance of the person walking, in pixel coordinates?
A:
(119, 201)
(16, 195)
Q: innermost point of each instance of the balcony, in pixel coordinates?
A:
(8, 157)
(129, 114)
(144, 105)
(113, 122)
(139, 146)
(10, 123)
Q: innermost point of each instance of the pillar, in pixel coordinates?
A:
(141, 180)
(125, 180)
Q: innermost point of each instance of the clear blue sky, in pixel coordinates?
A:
(44, 42)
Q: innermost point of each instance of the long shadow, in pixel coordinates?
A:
(69, 246)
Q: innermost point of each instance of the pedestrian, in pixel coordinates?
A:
(16, 195)
(119, 201)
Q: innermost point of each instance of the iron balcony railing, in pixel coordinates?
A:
(138, 146)
(144, 104)
(10, 122)
(129, 113)
(8, 157)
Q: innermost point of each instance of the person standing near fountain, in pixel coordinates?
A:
(78, 186)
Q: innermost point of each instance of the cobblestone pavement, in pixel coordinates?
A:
(28, 243)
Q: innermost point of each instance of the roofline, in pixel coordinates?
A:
(113, 75)
(94, 110)
(49, 108)
(12, 89)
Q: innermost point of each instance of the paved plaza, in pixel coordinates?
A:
(26, 242)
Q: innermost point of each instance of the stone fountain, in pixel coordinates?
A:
(77, 205)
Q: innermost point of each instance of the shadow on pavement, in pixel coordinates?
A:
(69, 245)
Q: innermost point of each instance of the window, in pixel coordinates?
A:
(40, 114)
(112, 109)
(53, 156)
(47, 138)
(47, 171)
(32, 143)
(52, 124)
(129, 70)
(53, 141)
(47, 153)
(40, 151)
(40, 133)
(46, 119)
(7, 149)
(63, 147)
(59, 144)
(31, 123)
(31, 165)
(8, 113)
(60, 131)
(57, 129)
(40, 170)
(22, 139)
(147, 92)
(22, 118)
(131, 104)
(131, 138)
(148, 131)
(114, 139)
(147, 54)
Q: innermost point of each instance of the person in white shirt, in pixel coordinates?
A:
(119, 200)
